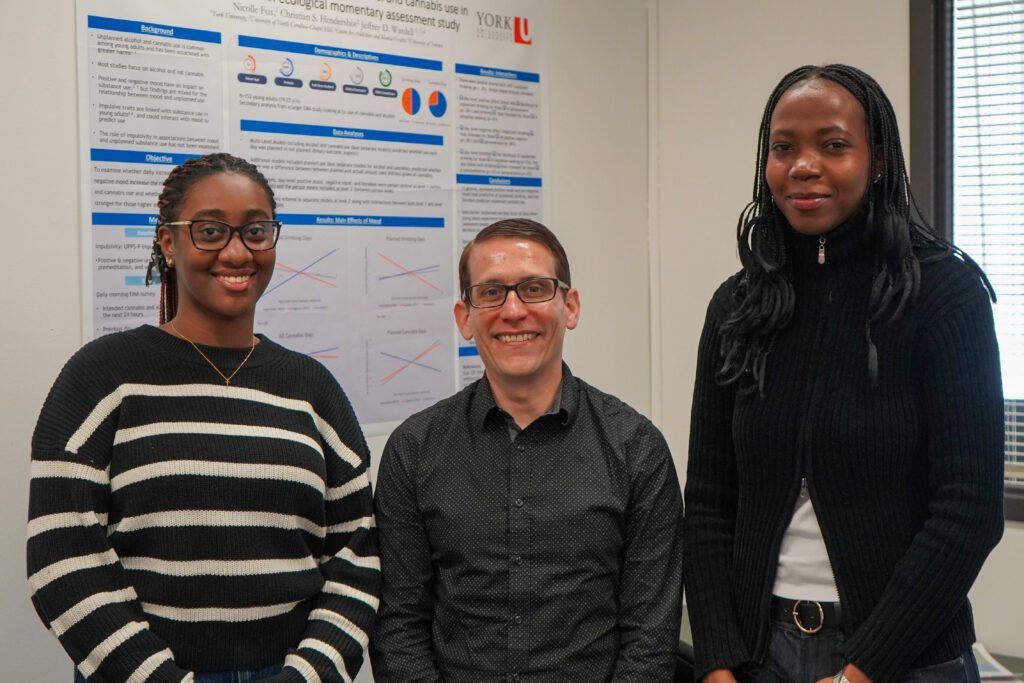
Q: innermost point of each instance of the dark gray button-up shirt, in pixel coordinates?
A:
(550, 556)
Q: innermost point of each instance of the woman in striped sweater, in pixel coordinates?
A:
(200, 506)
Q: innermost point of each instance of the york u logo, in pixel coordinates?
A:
(522, 31)
(520, 26)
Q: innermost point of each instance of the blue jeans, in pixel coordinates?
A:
(798, 657)
(222, 676)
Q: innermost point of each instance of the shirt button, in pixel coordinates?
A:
(518, 502)
(513, 677)
(519, 447)
(518, 618)
(517, 560)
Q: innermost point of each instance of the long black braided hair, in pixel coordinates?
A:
(175, 190)
(764, 297)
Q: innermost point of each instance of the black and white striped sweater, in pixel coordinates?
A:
(177, 524)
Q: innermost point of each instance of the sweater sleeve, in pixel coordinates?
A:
(78, 585)
(961, 396)
(342, 615)
(708, 529)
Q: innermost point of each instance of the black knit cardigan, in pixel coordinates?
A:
(905, 475)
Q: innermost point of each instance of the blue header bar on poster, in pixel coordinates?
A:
(151, 29)
(361, 221)
(496, 180)
(99, 218)
(338, 52)
(251, 126)
(135, 157)
(491, 72)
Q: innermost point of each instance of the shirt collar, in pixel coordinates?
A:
(482, 404)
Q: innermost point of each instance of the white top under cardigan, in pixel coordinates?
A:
(804, 571)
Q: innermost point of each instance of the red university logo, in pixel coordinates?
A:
(522, 28)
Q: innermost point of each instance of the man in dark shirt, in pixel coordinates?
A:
(529, 524)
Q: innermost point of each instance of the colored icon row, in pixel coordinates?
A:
(437, 104)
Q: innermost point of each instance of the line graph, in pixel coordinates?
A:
(302, 271)
(425, 269)
(307, 275)
(412, 272)
(321, 353)
(410, 361)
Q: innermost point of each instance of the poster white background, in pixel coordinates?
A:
(390, 130)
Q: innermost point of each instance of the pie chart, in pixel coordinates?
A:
(437, 103)
(410, 101)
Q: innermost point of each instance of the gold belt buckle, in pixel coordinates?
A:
(796, 616)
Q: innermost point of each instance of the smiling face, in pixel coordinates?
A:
(520, 344)
(218, 289)
(819, 158)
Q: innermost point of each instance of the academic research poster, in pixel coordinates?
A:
(392, 131)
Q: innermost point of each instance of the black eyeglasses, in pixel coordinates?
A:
(212, 235)
(533, 291)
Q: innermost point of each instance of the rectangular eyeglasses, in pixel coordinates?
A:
(212, 235)
(535, 290)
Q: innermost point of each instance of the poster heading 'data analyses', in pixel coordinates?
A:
(392, 131)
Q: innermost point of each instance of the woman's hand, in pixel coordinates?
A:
(852, 673)
(719, 676)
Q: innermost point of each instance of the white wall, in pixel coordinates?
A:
(40, 320)
(711, 66)
(997, 597)
(598, 94)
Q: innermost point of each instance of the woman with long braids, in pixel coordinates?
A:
(200, 508)
(844, 483)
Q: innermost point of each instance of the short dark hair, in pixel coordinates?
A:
(176, 188)
(522, 228)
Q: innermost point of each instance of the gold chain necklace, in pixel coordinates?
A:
(226, 378)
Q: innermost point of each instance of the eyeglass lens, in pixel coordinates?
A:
(213, 235)
(532, 291)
